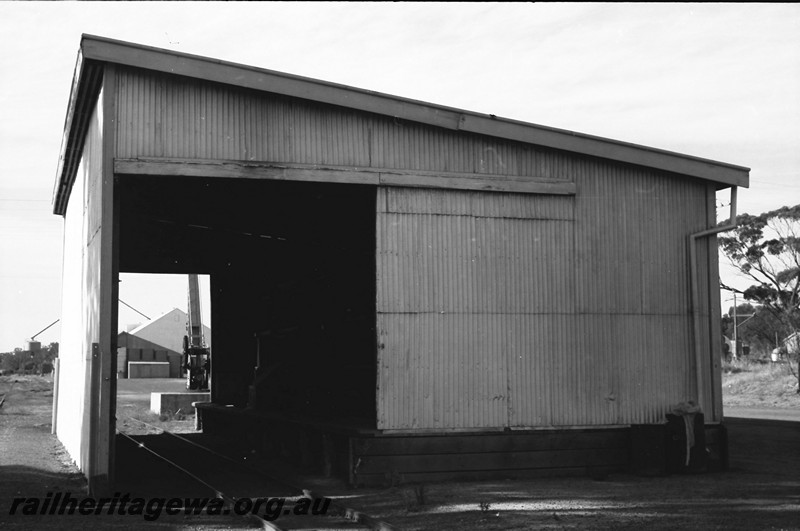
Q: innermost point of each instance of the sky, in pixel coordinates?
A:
(718, 81)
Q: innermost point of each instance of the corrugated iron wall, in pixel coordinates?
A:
(461, 278)
(494, 309)
(175, 117)
(502, 310)
(631, 237)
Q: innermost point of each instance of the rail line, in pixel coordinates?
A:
(351, 517)
(265, 524)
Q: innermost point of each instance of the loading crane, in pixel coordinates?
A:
(196, 354)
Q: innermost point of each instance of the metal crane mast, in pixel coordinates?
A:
(195, 326)
(196, 354)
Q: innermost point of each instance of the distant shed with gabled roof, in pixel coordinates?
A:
(160, 339)
(168, 330)
(430, 280)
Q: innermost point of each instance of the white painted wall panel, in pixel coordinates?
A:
(73, 366)
(80, 312)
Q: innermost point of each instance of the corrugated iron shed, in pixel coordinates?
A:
(447, 270)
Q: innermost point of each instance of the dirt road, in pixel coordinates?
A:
(792, 415)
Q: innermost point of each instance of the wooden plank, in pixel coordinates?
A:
(378, 479)
(101, 480)
(492, 461)
(334, 174)
(563, 440)
(501, 183)
(242, 170)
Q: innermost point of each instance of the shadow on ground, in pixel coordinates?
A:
(761, 490)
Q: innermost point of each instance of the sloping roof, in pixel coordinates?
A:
(179, 314)
(97, 51)
(168, 330)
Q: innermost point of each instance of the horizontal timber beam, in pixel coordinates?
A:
(339, 174)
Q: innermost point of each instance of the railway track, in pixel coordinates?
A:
(207, 468)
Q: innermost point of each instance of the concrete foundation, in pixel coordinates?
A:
(170, 403)
(148, 369)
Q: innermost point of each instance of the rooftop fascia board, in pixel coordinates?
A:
(102, 49)
(62, 182)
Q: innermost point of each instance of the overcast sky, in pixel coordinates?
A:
(720, 81)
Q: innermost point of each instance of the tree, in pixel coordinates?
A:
(14, 361)
(52, 350)
(21, 360)
(766, 249)
(8, 362)
(757, 326)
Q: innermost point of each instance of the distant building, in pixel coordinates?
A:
(731, 350)
(168, 330)
(131, 348)
(158, 340)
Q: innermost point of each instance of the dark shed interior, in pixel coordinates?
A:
(292, 268)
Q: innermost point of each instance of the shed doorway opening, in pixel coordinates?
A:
(292, 284)
(155, 317)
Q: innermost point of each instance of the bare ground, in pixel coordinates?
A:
(760, 491)
(133, 406)
(759, 385)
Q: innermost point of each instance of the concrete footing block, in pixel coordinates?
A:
(171, 403)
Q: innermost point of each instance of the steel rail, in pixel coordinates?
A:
(348, 512)
(247, 466)
(229, 499)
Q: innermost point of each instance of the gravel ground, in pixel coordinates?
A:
(760, 491)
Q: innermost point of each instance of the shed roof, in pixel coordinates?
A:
(95, 52)
(182, 316)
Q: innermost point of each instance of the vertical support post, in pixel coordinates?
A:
(94, 470)
(712, 298)
(54, 419)
(715, 309)
(217, 287)
(735, 329)
(103, 426)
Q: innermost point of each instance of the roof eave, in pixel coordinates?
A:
(97, 50)
(86, 82)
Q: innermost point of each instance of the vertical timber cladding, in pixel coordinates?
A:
(520, 310)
